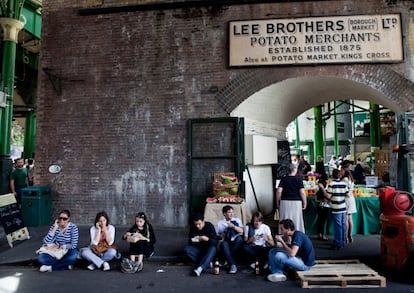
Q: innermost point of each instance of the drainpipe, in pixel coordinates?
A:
(11, 28)
(30, 135)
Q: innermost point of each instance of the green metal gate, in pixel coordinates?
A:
(214, 145)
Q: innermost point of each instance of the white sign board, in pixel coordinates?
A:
(371, 181)
(335, 39)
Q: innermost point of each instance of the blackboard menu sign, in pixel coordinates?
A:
(11, 219)
(283, 158)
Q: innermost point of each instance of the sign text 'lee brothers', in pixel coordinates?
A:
(336, 39)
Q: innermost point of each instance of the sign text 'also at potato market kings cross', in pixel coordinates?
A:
(336, 39)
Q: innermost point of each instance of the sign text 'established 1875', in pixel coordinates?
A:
(336, 39)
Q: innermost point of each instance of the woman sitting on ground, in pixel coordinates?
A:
(63, 234)
(141, 240)
(102, 235)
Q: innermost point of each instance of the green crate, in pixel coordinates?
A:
(36, 206)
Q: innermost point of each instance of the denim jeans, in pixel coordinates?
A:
(339, 224)
(279, 259)
(254, 252)
(59, 264)
(230, 248)
(201, 256)
(98, 260)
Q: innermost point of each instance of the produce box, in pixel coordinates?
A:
(225, 184)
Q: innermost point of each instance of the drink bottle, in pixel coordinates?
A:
(256, 267)
(216, 267)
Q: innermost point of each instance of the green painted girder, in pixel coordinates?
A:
(31, 15)
(33, 21)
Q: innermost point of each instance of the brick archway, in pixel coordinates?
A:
(380, 84)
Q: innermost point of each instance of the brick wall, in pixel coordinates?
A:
(116, 91)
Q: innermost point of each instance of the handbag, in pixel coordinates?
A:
(57, 253)
(102, 247)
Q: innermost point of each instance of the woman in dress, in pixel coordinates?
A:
(350, 204)
(63, 234)
(291, 198)
(103, 232)
(141, 240)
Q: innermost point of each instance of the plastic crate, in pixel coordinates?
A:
(36, 206)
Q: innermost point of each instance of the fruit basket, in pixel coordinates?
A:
(225, 184)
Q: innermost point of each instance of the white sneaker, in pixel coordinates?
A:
(198, 271)
(276, 277)
(233, 269)
(91, 267)
(106, 266)
(45, 269)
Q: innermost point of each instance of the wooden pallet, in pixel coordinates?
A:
(341, 274)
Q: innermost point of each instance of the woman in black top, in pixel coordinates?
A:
(141, 238)
(291, 198)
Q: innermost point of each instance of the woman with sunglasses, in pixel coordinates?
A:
(141, 240)
(62, 234)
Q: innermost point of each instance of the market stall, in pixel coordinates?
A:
(225, 192)
(366, 220)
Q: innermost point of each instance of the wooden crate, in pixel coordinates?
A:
(341, 274)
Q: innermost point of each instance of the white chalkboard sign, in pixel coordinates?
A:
(11, 219)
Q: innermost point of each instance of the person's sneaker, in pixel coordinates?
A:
(140, 267)
(253, 265)
(197, 271)
(276, 277)
(45, 269)
(106, 266)
(91, 267)
(70, 267)
(233, 269)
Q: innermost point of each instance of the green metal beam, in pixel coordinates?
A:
(33, 21)
(318, 133)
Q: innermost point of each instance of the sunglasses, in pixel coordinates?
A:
(62, 218)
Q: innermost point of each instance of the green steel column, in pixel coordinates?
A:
(11, 26)
(318, 150)
(30, 135)
(297, 142)
(375, 137)
(336, 145)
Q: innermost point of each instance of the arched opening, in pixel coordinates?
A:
(278, 101)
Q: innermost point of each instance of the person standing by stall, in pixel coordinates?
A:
(337, 191)
(350, 204)
(291, 198)
(18, 179)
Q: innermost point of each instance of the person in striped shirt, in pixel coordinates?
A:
(62, 234)
(337, 191)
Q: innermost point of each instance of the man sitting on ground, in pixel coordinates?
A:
(299, 255)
